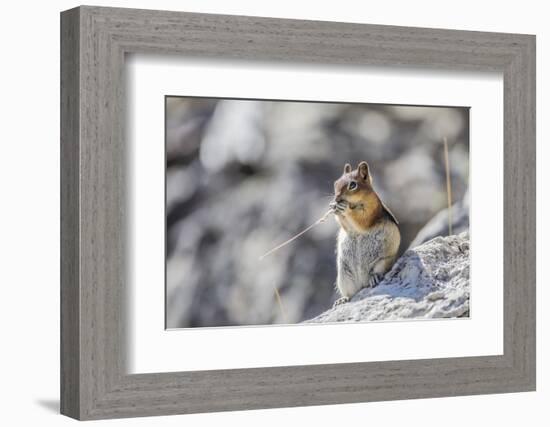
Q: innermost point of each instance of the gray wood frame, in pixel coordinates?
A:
(94, 41)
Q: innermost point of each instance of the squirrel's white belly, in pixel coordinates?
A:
(356, 255)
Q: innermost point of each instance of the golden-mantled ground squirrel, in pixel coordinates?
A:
(368, 239)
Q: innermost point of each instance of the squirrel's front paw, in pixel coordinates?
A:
(375, 279)
(339, 207)
(340, 301)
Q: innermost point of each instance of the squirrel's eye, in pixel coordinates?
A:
(352, 185)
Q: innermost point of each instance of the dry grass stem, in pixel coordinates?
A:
(276, 248)
(449, 194)
(280, 303)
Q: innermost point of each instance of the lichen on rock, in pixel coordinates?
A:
(429, 281)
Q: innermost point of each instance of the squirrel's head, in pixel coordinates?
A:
(353, 185)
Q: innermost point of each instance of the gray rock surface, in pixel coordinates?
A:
(429, 281)
(439, 224)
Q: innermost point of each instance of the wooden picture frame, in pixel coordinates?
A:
(94, 382)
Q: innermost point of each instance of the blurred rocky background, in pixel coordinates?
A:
(244, 175)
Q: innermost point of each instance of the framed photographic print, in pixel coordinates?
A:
(262, 213)
(240, 182)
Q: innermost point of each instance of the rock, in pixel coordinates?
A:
(429, 281)
(439, 224)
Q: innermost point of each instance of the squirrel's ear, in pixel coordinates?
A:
(363, 170)
(347, 168)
